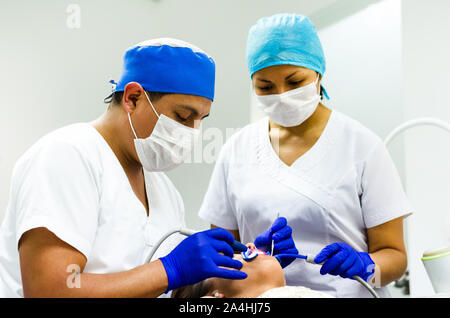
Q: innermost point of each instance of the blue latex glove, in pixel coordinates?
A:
(197, 258)
(281, 233)
(341, 259)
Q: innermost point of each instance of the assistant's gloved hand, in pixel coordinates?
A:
(341, 259)
(281, 233)
(197, 258)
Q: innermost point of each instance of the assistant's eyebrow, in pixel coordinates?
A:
(267, 81)
(287, 77)
(263, 80)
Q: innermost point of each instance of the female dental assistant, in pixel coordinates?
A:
(331, 178)
(89, 200)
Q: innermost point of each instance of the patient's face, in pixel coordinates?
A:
(263, 273)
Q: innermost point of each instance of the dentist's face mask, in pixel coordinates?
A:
(168, 146)
(290, 108)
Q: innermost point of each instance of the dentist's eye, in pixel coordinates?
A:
(266, 88)
(180, 118)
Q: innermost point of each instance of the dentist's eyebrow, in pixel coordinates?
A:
(192, 110)
(189, 108)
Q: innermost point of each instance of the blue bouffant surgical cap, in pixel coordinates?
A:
(169, 66)
(284, 39)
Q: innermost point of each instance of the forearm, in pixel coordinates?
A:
(390, 265)
(148, 280)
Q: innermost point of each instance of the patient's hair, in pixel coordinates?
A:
(197, 290)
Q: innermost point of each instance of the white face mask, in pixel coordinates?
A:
(290, 108)
(168, 146)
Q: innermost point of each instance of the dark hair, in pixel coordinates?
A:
(116, 97)
(197, 290)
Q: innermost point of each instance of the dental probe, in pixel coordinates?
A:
(273, 243)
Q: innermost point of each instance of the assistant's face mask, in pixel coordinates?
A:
(168, 146)
(290, 108)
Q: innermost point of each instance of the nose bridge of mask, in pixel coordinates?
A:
(306, 88)
(313, 84)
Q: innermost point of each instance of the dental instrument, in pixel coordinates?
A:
(310, 259)
(237, 246)
(436, 275)
(273, 245)
(273, 242)
(250, 254)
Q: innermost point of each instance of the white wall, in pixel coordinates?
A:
(388, 63)
(425, 67)
(52, 76)
(363, 77)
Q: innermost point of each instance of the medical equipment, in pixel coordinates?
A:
(273, 242)
(168, 146)
(310, 259)
(437, 264)
(237, 246)
(290, 108)
(250, 254)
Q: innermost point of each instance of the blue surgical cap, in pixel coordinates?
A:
(284, 39)
(169, 66)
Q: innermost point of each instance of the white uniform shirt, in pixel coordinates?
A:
(343, 185)
(71, 183)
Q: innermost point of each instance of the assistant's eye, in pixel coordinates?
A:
(296, 83)
(265, 88)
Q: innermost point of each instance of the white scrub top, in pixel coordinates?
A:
(343, 185)
(71, 183)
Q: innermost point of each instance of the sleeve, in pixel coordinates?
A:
(56, 189)
(216, 208)
(382, 198)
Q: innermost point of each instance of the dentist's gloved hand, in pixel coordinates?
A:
(281, 233)
(197, 258)
(341, 259)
